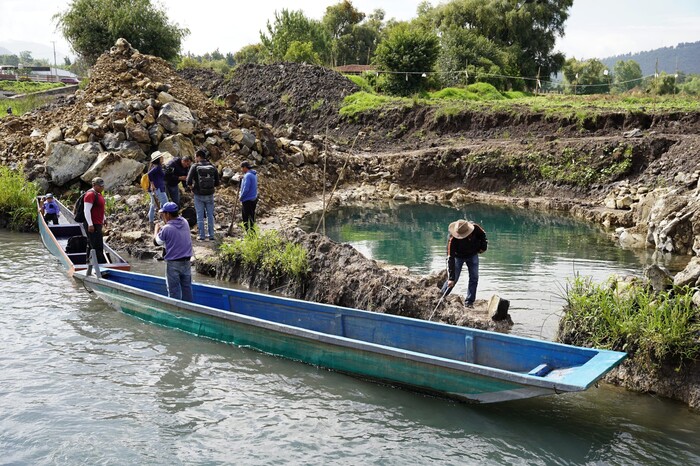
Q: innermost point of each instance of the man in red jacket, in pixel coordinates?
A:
(94, 209)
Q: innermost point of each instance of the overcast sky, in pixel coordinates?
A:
(595, 28)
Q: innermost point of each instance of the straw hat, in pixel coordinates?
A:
(156, 155)
(460, 229)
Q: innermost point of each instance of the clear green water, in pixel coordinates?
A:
(531, 257)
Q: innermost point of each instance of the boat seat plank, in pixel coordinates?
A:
(61, 231)
(541, 370)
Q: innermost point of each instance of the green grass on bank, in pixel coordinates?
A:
(17, 198)
(26, 87)
(484, 97)
(22, 105)
(652, 327)
(268, 252)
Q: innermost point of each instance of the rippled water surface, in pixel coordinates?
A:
(81, 383)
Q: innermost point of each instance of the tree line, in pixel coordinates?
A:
(507, 43)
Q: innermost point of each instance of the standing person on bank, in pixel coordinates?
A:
(50, 209)
(203, 178)
(175, 173)
(248, 195)
(156, 176)
(465, 242)
(175, 235)
(94, 210)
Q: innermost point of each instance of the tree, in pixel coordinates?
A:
(230, 59)
(302, 52)
(585, 77)
(627, 75)
(525, 31)
(339, 22)
(407, 51)
(93, 26)
(291, 26)
(25, 57)
(249, 54)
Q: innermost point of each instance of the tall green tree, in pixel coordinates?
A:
(585, 77)
(525, 30)
(252, 53)
(339, 21)
(93, 26)
(407, 52)
(293, 26)
(627, 75)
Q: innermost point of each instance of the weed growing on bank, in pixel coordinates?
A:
(26, 87)
(17, 198)
(654, 328)
(268, 251)
(22, 105)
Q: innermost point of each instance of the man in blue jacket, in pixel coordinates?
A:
(249, 195)
(175, 235)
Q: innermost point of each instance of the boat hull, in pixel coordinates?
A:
(396, 366)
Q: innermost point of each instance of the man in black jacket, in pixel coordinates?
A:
(466, 241)
(175, 173)
(203, 178)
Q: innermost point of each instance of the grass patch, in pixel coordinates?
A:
(318, 104)
(652, 327)
(360, 102)
(22, 105)
(361, 83)
(17, 198)
(26, 87)
(269, 252)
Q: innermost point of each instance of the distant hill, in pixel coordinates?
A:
(683, 57)
(4, 51)
(14, 47)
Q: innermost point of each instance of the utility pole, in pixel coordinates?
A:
(55, 67)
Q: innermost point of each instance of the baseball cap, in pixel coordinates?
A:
(98, 181)
(169, 207)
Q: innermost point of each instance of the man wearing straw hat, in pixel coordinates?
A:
(466, 241)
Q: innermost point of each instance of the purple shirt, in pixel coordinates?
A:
(157, 177)
(176, 237)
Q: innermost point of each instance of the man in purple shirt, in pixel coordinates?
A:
(175, 235)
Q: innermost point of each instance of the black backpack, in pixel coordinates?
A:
(206, 179)
(170, 175)
(79, 208)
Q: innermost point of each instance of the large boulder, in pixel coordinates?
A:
(115, 170)
(66, 162)
(177, 118)
(178, 145)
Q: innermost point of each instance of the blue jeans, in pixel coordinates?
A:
(178, 278)
(174, 194)
(472, 263)
(204, 205)
(162, 199)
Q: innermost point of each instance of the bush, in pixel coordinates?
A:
(17, 198)
(269, 252)
(361, 82)
(653, 327)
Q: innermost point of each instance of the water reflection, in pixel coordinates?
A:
(531, 258)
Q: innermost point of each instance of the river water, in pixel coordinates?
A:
(83, 384)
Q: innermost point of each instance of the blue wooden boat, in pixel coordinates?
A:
(56, 239)
(451, 361)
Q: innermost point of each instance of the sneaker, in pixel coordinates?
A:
(469, 305)
(201, 239)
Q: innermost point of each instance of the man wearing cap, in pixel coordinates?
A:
(175, 235)
(156, 176)
(203, 178)
(248, 195)
(50, 209)
(464, 244)
(94, 210)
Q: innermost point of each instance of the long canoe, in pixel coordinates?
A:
(56, 238)
(447, 360)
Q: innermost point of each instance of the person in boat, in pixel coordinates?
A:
(465, 242)
(248, 195)
(175, 236)
(50, 209)
(156, 175)
(203, 178)
(95, 220)
(175, 173)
